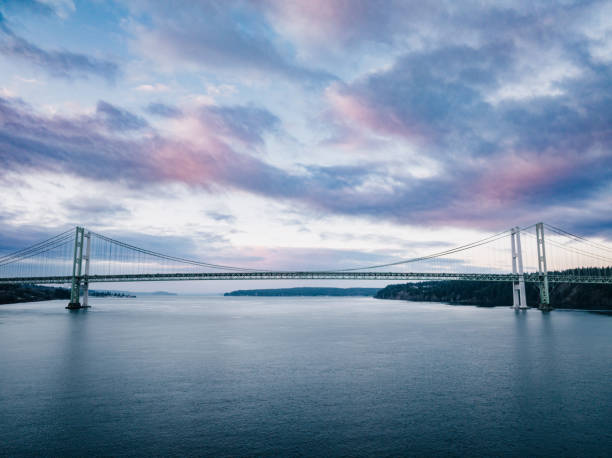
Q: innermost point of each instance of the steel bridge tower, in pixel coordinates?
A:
(519, 297)
(542, 270)
(77, 266)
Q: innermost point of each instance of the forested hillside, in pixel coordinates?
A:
(489, 294)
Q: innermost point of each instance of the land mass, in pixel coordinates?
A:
(155, 293)
(306, 292)
(484, 294)
(490, 294)
(12, 294)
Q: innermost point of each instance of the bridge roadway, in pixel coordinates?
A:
(393, 276)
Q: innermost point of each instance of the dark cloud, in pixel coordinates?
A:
(341, 177)
(245, 123)
(224, 217)
(17, 237)
(163, 110)
(62, 64)
(30, 141)
(431, 97)
(117, 119)
(90, 211)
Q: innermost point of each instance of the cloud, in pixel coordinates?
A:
(4, 92)
(158, 87)
(19, 236)
(87, 211)
(333, 22)
(163, 110)
(221, 90)
(489, 192)
(426, 95)
(511, 102)
(219, 36)
(117, 119)
(246, 123)
(513, 158)
(60, 64)
(223, 217)
(94, 147)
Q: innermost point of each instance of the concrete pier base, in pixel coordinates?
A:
(76, 306)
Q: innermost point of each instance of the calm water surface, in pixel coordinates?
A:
(302, 376)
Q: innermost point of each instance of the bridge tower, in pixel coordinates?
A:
(77, 265)
(87, 256)
(519, 298)
(542, 269)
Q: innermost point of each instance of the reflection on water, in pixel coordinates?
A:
(291, 376)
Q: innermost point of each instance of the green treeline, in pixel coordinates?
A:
(11, 294)
(585, 272)
(489, 294)
(95, 293)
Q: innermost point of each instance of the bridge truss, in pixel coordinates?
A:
(282, 275)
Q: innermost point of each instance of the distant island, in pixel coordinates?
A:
(306, 291)
(156, 293)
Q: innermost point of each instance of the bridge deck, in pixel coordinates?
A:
(393, 276)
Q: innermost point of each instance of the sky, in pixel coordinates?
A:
(319, 134)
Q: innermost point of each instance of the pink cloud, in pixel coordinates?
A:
(357, 112)
(328, 23)
(179, 162)
(191, 150)
(516, 176)
(316, 19)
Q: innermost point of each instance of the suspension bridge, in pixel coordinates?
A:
(79, 257)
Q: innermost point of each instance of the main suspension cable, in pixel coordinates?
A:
(35, 246)
(457, 249)
(41, 249)
(172, 258)
(578, 238)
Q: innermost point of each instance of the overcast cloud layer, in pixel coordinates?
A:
(460, 115)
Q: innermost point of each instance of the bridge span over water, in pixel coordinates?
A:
(79, 257)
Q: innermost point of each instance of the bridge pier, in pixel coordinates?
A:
(77, 263)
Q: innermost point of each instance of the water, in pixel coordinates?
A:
(302, 376)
